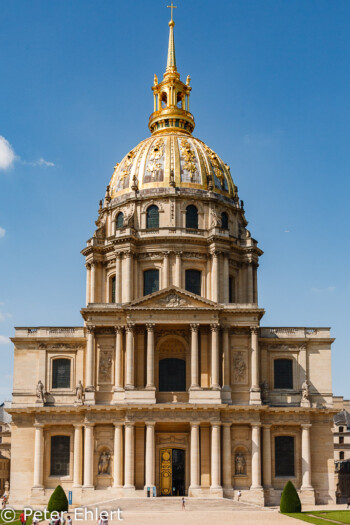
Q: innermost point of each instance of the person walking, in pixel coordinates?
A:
(239, 494)
(69, 520)
(183, 502)
(22, 518)
(348, 505)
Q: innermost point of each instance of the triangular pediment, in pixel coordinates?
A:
(172, 298)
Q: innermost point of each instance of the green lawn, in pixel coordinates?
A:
(342, 516)
(17, 522)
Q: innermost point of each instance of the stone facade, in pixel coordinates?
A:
(97, 412)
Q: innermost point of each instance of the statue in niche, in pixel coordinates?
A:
(40, 392)
(305, 391)
(240, 464)
(103, 464)
(79, 390)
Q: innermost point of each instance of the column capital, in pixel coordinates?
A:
(91, 329)
(129, 423)
(216, 424)
(306, 426)
(78, 425)
(215, 327)
(266, 426)
(256, 425)
(150, 327)
(119, 329)
(194, 423)
(88, 266)
(254, 330)
(194, 327)
(89, 424)
(118, 424)
(118, 254)
(130, 327)
(166, 254)
(226, 424)
(40, 426)
(128, 253)
(178, 254)
(150, 423)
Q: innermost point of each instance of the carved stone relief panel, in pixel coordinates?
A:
(239, 367)
(105, 364)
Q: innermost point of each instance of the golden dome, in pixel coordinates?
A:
(171, 159)
(171, 156)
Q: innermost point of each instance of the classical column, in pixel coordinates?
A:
(118, 274)
(256, 457)
(150, 357)
(255, 398)
(118, 363)
(130, 367)
(194, 356)
(305, 457)
(78, 456)
(88, 283)
(93, 282)
(215, 356)
(89, 455)
(118, 455)
(103, 283)
(178, 269)
(215, 456)
(194, 456)
(226, 359)
(215, 277)
(267, 456)
(90, 351)
(226, 457)
(255, 276)
(166, 269)
(150, 454)
(250, 283)
(128, 277)
(38, 456)
(226, 296)
(129, 455)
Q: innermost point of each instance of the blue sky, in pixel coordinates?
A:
(270, 94)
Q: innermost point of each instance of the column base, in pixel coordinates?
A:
(217, 491)
(128, 490)
(255, 396)
(88, 488)
(307, 496)
(195, 491)
(228, 492)
(226, 396)
(150, 388)
(38, 488)
(89, 397)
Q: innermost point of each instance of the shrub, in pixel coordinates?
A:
(58, 500)
(290, 501)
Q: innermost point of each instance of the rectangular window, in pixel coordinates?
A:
(61, 373)
(341, 440)
(150, 281)
(113, 289)
(193, 281)
(60, 451)
(283, 373)
(284, 456)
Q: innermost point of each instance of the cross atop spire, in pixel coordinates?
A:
(171, 61)
(172, 7)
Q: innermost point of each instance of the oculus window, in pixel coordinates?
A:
(193, 281)
(283, 373)
(284, 456)
(192, 217)
(150, 281)
(152, 217)
(60, 451)
(120, 220)
(61, 373)
(172, 375)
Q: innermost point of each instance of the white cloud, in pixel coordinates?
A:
(322, 290)
(286, 231)
(42, 163)
(4, 340)
(7, 154)
(2, 232)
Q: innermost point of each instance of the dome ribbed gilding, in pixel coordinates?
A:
(172, 159)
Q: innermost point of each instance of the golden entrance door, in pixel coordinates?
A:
(166, 472)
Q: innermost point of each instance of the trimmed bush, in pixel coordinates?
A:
(58, 500)
(290, 501)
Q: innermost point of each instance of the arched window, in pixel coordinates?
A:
(150, 281)
(152, 217)
(113, 290)
(283, 373)
(224, 221)
(164, 100)
(193, 281)
(60, 452)
(172, 375)
(284, 456)
(191, 217)
(120, 220)
(61, 373)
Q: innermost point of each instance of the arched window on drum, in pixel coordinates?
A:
(119, 223)
(192, 217)
(152, 217)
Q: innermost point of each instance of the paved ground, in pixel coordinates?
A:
(161, 511)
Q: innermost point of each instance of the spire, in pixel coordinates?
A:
(171, 61)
